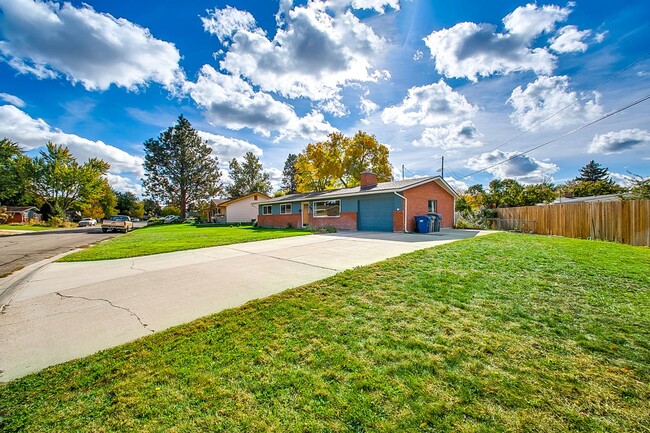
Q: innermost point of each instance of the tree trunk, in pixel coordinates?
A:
(183, 203)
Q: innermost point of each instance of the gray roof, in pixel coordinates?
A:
(383, 187)
(590, 199)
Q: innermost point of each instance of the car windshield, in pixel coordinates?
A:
(118, 218)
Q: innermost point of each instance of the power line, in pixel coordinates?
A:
(638, 101)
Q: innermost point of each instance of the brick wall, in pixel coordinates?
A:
(398, 221)
(345, 221)
(278, 221)
(418, 198)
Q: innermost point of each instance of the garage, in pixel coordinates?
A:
(376, 214)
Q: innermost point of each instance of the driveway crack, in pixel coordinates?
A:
(144, 325)
(285, 260)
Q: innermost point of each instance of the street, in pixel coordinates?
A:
(20, 250)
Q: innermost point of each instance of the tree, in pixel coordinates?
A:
(594, 180)
(179, 167)
(102, 204)
(14, 167)
(544, 192)
(60, 181)
(290, 175)
(640, 189)
(593, 172)
(339, 162)
(504, 193)
(248, 177)
(151, 207)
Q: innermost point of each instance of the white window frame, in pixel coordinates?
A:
(284, 207)
(315, 209)
(269, 208)
(435, 206)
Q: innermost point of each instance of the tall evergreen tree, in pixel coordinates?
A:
(247, 177)
(593, 172)
(179, 167)
(290, 174)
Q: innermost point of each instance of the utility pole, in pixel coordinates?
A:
(442, 171)
(402, 171)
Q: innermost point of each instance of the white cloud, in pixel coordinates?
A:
(470, 50)
(227, 148)
(338, 6)
(224, 23)
(367, 106)
(124, 184)
(617, 142)
(313, 54)
(334, 106)
(48, 39)
(547, 96)
(32, 133)
(570, 40)
(418, 55)
(457, 184)
(531, 20)
(275, 175)
(455, 136)
(523, 168)
(430, 105)
(13, 100)
(230, 101)
(600, 36)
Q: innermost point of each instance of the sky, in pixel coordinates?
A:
(508, 89)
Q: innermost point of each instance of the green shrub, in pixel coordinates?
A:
(323, 229)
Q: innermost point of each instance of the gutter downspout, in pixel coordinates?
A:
(406, 203)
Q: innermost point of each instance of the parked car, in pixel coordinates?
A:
(170, 219)
(120, 223)
(87, 222)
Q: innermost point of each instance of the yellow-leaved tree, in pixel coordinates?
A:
(339, 161)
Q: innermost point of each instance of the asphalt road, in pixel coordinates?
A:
(20, 250)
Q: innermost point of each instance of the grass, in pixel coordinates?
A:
(494, 334)
(175, 237)
(25, 227)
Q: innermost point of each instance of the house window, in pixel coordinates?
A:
(285, 208)
(433, 206)
(329, 208)
(267, 210)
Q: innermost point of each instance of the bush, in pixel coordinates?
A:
(289, 225)
(323, 229)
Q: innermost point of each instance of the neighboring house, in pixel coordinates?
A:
(22, 214)
(238, 210)
(371, 206)
(590, 199)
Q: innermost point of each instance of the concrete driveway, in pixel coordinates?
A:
(69, 310)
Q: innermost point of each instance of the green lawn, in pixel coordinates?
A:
(499, 333)
(176, 237)
(24, 227)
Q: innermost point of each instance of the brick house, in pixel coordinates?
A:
(371, 206)
(22, 214)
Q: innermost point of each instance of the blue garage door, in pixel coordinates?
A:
(376, 214)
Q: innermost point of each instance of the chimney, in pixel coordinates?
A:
(368, 180)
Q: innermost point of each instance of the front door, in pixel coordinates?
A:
(305, 214)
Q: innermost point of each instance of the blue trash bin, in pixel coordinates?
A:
(422, 224)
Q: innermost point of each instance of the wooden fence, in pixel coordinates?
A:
(625, 221)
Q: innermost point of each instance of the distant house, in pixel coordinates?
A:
(238, 210)
(590, 199)
(372, 206)
(22, 214)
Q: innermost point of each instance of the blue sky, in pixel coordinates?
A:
(479, 83)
